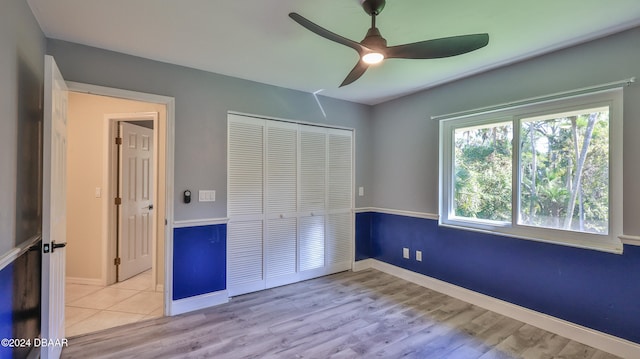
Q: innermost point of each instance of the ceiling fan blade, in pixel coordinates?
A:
(319, 30)
(437, 48)
(355, 74)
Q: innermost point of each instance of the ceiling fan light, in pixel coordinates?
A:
(373, 58)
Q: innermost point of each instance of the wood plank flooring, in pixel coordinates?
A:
(367, 314)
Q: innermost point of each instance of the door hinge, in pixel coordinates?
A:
(118, 201)
(116, 261)
(118, 140)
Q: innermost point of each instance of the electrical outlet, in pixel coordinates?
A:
(405, 253)
(419, 256)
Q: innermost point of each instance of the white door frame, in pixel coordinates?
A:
(169, 102)
(110, 178)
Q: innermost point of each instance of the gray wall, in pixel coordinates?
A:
(202, 102)
(405, 170)
(22, 48)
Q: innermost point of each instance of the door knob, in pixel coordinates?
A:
(149, 207)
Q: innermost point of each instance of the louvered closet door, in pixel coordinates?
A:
(281, 203)
(245, 204)
(339, 223)
(289, 202)
(312, 198)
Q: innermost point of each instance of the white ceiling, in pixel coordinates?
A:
(256, 40)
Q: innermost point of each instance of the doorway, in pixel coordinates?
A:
(93, 226)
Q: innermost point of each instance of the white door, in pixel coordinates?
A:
(54, 211)
(312, 199)
(136, 193)
(339, 224)
(281, 237)
(245, 171)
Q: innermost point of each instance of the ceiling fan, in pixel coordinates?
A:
(373, 48)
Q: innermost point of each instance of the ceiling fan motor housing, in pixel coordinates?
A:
(374, 40)
(373, 7)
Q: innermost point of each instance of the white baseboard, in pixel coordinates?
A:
(198, 302)
(606, 342)
(85, 281)
(362, 265)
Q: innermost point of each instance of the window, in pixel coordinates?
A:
(548, 171)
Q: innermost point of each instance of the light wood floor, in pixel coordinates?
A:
(367, 314)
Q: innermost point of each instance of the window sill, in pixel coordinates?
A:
(609, 244)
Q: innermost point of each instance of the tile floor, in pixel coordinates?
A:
(90, 308)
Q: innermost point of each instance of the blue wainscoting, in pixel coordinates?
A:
(6, 308)
(363, 236)
(20, 301)
(594, 289)
(199, 260)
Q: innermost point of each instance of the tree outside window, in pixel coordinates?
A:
(549, 171)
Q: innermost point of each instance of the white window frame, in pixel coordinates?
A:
(514, 114)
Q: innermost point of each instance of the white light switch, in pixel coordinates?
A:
(206, 196)
(405, 253)
(98, 192)
(419, 256)
(360, 191)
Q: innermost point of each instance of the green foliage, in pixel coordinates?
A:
(483, 174)
(564, 171)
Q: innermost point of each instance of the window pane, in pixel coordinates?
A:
(564, 172)
(482, 183)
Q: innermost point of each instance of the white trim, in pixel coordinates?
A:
(108, 210)
(85, 281)
(11, 255)
(119, 93)
(364, 209)
(606, 342)
(197, 302)
(398, 212)
(316, 124)
(630, 240)
(199, 222)
(362, 265)
(613, 248)
(170, 104)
